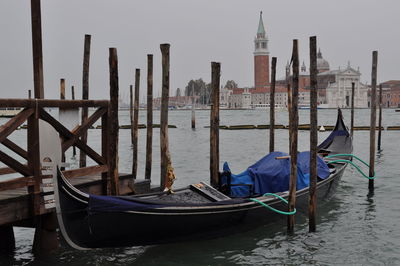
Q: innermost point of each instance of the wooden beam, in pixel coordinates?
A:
(79, 131)
(380, 118)
(67, 134)
(85, 93)
(214, 124)
(15, 183)
(62, 89)
(17, 166)
(149, 136)
(38, 103)
(11, 125)
(36, 22)
(104, 152)
(312, 206)
(113, 122)
(6, 171)
(89, 170)
(164, 115)
(15, 148)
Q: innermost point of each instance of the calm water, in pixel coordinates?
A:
(353, 229)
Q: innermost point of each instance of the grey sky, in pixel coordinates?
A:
(199, 32)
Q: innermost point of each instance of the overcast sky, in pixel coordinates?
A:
(199, 32)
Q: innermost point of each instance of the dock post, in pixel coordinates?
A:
(294, 120)
(380, 118)
(149, 137)
(29, 94)
(135, 124)
(85, 94)
(131, 111)
(73, 98)
(165, 156)
(214, 124)
(7, 243)
(272, 107)
(373, 120)
(193, 109)
(312, 208)
(36, 21)
(113, 123)
(62, 89)
(352, 109)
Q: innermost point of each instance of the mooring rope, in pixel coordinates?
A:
(352, 163)
(271, 208)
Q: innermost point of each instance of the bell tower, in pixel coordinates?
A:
(261, 58)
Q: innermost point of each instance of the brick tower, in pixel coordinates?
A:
(261, 58)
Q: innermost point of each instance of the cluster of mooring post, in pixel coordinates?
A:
(293, 133)
(373, 121)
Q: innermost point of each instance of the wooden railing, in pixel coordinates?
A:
(31, 170)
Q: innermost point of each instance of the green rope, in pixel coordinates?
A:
(350, 162)
(273, 209)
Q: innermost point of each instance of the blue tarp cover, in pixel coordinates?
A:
(270, 175)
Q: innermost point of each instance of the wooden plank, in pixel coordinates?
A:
(272, 106)
(11, 125)
(165, 158)
(373, 120)
(85, 93)
(89, 170)
(67, 134)
(15, 148)
(34, 163)
(36, 23)
(73, 98)
(113, 122)
(149, 135)
(6, 171)
(16, 183)
(293, 136)
(104, 152)
(214, 124)
(312, 206)
(33, 103)
(17, 166)
(79, 131)
(135, 124)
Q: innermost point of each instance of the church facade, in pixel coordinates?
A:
(334, 86)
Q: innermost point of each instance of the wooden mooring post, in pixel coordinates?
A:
(62, 89)
(149, 137)
(214, 124)
(373, 120)
(272, 106)
(294, 121)
(193, 109)
(131, 110)
(135, 125)
(380, 118)
(73, 98)
(113, 123)
(29, 94)
(165, 155)
(352, 109)
(85, 93)
(312, 208)
(36, 22)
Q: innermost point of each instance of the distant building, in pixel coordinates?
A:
(390, 93)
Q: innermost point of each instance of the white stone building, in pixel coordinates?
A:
(338, 93)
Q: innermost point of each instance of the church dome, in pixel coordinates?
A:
(322, 64)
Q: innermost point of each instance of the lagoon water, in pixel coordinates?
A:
(353, 228)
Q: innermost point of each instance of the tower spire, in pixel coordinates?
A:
(261, 29)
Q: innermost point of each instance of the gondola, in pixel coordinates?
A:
(197, 211)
